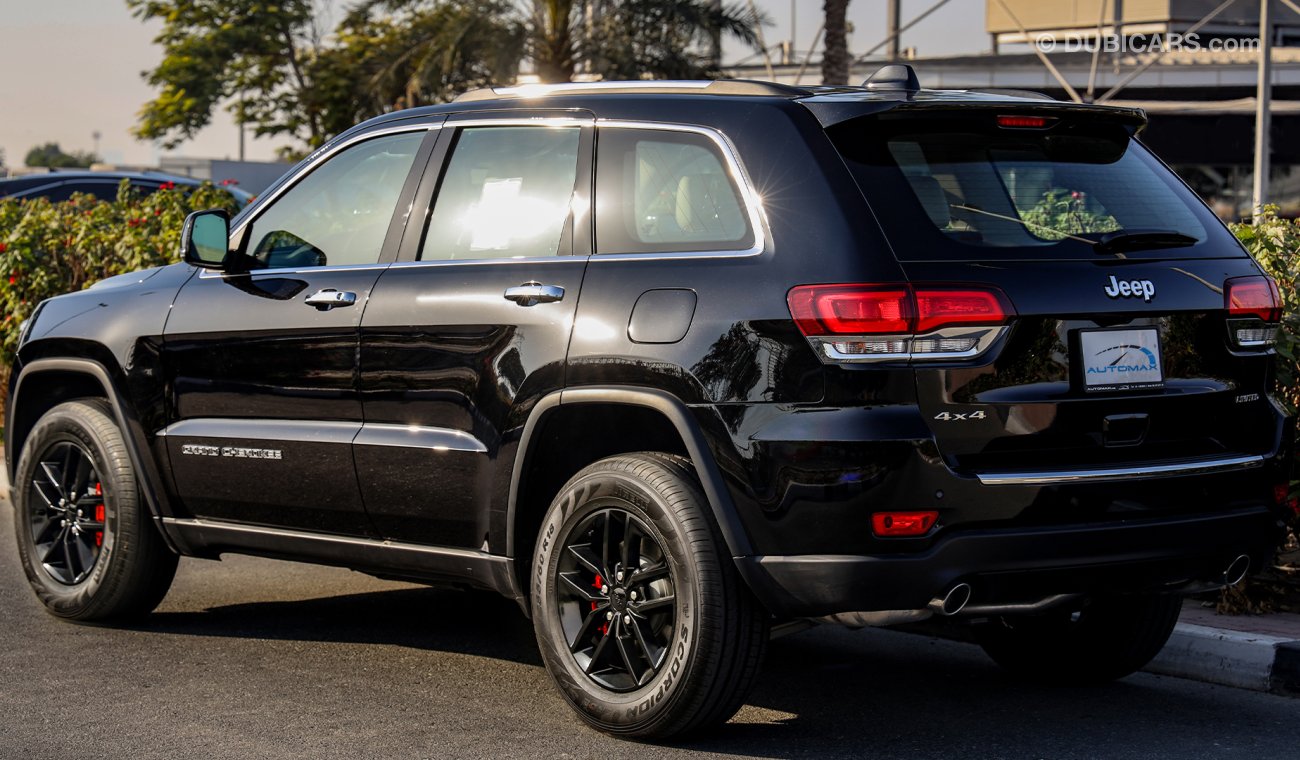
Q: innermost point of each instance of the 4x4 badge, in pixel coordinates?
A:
(1130, 289)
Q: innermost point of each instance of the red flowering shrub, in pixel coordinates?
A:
(52, 248)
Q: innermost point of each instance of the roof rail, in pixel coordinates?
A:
(1011, 92)
(645, 87)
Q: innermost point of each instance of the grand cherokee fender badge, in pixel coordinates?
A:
(236, 452)
(1131, 289)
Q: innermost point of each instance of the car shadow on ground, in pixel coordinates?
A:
(825, 692)
(444, 620)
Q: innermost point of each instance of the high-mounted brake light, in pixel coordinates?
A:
(1024, 122)
(891, 322)
(1254, 309)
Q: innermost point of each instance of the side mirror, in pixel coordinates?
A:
(205, 238)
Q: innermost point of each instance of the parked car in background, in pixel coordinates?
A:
(59, 186)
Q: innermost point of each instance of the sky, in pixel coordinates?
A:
(70, 68)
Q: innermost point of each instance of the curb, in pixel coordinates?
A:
(1252, 661)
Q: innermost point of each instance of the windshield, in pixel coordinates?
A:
(963, 187)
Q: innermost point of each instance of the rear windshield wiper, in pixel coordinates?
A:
(1106, 242)
(1134, 240)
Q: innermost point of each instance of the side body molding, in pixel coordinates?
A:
(715, 490)
(150, 479)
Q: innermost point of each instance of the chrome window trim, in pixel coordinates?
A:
(1101, 474)
(313, 161)
(736, 172)
(553, 122)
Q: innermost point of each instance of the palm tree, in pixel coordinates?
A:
(835, 60)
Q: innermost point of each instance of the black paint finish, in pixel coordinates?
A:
(406, 423)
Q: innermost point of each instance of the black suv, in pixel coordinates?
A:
(669, 363)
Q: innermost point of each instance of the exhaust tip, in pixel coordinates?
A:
(1237, 570)
(953, 601)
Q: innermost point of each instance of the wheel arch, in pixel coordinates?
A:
(667, 417)
(45, 383)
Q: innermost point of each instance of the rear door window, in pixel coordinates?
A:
(991, 192)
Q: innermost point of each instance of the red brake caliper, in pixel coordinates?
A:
(604, 627)
(99, 514)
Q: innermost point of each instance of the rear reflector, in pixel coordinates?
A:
(896, 524)
(1254, 296)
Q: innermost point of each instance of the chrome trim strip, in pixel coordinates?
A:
(1052, 477)
(554, 122)
(418, 437)
(259, 530)
(303, 431)
(480, 262)
(327, 431)
(209, 274)
(984, 337)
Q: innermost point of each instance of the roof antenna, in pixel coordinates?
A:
(895, 76)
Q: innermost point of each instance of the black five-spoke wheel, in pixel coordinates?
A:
(85, 537)
(67, 514)
(617, 604)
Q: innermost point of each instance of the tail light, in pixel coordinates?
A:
(1254, 309)
(867, 322)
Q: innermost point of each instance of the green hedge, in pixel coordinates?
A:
(52, 248)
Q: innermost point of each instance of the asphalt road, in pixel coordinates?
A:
(253, 658)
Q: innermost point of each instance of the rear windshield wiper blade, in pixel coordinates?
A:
(1135, 240)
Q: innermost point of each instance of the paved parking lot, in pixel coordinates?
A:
(258, 658)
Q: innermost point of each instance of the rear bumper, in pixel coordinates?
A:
(1021, 564)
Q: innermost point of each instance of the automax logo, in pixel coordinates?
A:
(1130, 359)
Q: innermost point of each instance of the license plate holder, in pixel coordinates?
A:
(1120, 359)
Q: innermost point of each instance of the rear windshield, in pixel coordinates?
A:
(963, 187)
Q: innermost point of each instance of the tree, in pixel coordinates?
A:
(258, 52)
(835, 59)
(268, 55)
(393, 54)
(51, 155)
(661, 39)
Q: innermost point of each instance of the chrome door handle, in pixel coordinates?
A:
(327, 299)
(532, 293)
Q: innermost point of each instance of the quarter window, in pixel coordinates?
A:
(506, 193)
(339, 213)
(665, 191)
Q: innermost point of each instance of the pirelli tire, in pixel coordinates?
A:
(85, 538)
(666, 669)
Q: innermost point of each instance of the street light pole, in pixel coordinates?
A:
(1263, 98)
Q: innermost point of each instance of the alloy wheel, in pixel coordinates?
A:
(66, 512)
(617, 601)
